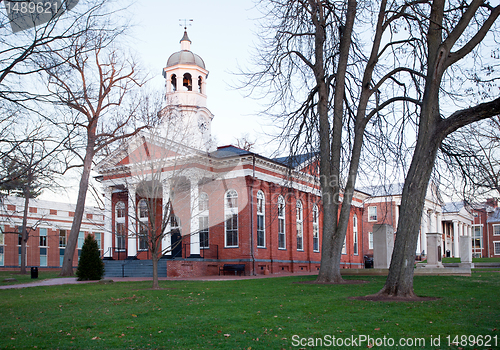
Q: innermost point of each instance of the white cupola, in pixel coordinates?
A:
(185, 81)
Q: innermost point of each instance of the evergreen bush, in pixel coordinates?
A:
(90, 265)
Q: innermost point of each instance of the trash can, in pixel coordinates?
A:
(368, 262)
(34, 272)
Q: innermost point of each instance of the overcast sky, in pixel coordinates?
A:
(222, 33)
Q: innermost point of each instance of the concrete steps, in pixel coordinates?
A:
(133, 268)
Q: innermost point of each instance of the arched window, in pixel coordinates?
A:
(120, 231)
(300, 226)
(281, 223)
(200, 83)
(187, 82)
(355, 234)
(261, 212)
(232, 199)
(203, 201)
(143, 214)
(173, 82)
(203, 220)
(315, 228)
(231, 215)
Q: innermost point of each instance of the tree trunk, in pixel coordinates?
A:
(24, 230)
(155, 270)
(67, 268)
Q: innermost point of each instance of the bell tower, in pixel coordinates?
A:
(186, 94)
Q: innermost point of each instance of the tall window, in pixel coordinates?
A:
(300, 226)
(97, 236)
(261, 214)
(281, 223)
(43, 246)
(43, 237)
(344, 248)
(173, 82)
(372, 213)
(120, 231)
(355, 234)
(203, 220)
(477, 241)
(2, 242)
(231, 215)
(81, 239)
(315, 228)
(370, 240)
(143, 213)
(143, 209)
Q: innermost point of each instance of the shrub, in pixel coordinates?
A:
(90, 265)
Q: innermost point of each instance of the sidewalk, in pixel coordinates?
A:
(73, 280)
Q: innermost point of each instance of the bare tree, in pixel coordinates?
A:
(97, 89)
(451, 31)
(163, 175)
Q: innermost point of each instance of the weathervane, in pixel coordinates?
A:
(186, 24)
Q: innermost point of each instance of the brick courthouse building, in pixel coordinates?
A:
(229, 205)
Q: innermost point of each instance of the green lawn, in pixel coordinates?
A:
(25, 278)
(244, 314)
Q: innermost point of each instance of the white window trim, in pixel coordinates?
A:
(300, 224)
(281, 201)
(231, 211)
(376, 214)
(142, 221)
(204, 215)
(493, 226)
(262, 197)
(494, 253)
(120, 220)
(315, 226)
(370, 242)
(355, 236)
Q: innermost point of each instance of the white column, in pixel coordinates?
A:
(423, 233)
(132, 227)
(456, 253)
(166, 239)
(195, 210)
(107, 245)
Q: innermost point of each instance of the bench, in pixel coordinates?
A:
(237, 268)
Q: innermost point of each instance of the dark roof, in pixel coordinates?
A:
(495, 216)
(383, 190)
(453, 207)
(185, 37)
(296, 160)
(229, 151)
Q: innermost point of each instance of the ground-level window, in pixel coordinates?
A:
(300, 226)
(370, 240)
(120, 236)
(143, 236)
(98, 237)
(2, 242)
(315, 229)
(497, 248)
(477, 241)
(232, 230)
(261, 210)
(203, 222)
(496, 230)
(281, 223)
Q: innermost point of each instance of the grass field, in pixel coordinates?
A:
(25, 278)
(273, 313)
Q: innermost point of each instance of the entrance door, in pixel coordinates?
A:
(176, 242)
